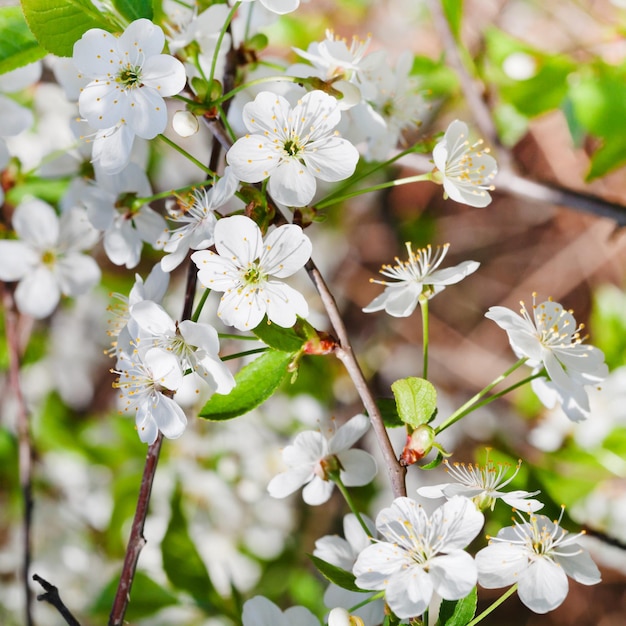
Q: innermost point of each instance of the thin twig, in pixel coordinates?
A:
(25, 451)
(136, 541)
(52, 597)
(345, 354)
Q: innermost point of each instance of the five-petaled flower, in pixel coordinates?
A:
(466, 170)
(129, 78)
(538, 555)
(417, 277)
(292, 146)
(421, 555)
(315, 460)
(246, 267)
(551, 339)
(47, 258)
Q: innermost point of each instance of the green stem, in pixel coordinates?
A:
(243, 337)
(469, 405)
(348, 498)
(245, 353)
(196, 313)
(495, 605)
(376, 596)
(424, 307)
(221, 38)
(257, 81)
(392, 183)
(186, 154)
(379, 166)
(139, 202)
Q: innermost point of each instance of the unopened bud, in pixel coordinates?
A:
(185, 123)
(418, 444)
(341, 617)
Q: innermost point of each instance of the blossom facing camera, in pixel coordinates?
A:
(538, 555)
(246, 269)
(421, 555)
(293, 146)
(464, 169)
(312, 460)
(550, 338)
(129, 78)
(417, 277)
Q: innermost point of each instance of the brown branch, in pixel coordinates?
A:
(52, 597)
(345, 354)
(25, 450)
(136, 542)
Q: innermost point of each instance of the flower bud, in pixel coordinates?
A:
(185, 123)
(341, 617)
(418, 444)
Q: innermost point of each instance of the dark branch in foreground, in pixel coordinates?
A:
(52, 597)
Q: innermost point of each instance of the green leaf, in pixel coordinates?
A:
(18, 46)
(458, 612)
(255, 383)
(389, 412)
(453, 10)
(416, 400)
(59, 24)
(146, 598)
(134, 9)
(277, 337)
(334, 574)
(181, 561)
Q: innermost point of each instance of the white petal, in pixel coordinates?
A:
(169, 417)
(292, 184)
(283, 304)
(259, 611)
(409, 592)
(577, 564)
(153, 318)
(112, 147)
(453, 575)
(359, 467)
(543, 586)
(334, 159)
(253, 158)
(164, 367)
(142, 39)
(286, 250)
(349, 433)
(37, 223)
(460, 522)
(164, 73)
(147, 115)
(92, 53)
(286, 483)
(17, 259)
(317, 491)
(500, 564)
(77, 273)
(37, 294)
(239, 239)
(15, 118)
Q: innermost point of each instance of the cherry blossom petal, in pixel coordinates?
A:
(292, 184)
(17, 260)
(36, 222)
(164, 73)
(457, 586)
(286, 250)
(77, 273)
(543, 586)
(147, 113)
(358, 467)
(37, 294)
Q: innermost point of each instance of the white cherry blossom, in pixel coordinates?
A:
(314, 456)
(246, 269)
(280, 7)
(147, 380)
(196, 345)
(197, 220)
(538, 555)
(550, 338)
(292, 146)
(129, 78)
(125, 230)
(47, 259)
(421, 555)
(483, 485)
(417, 277)
(466, 170)
(259, 611)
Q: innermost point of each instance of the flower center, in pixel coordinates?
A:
(254, 273)
(129, 77)
(291, 147)
(48, 258)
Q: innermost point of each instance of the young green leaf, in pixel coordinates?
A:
(335, 574)
(134, 9)
(458, 612)
(277, 337)
(18, 46)
(255, 383)
(59, 24)
(416, 400)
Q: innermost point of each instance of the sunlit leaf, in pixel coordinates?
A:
(18, 46)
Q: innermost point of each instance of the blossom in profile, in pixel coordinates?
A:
(196, 220)
(292, 146)
(129, 77)
(46, 260)
(417, 277)
(466, 170)
(483, 484)
(259, 611)
(538, 555)
(247, 269)
(550, 339)
(147, 380)
(196, 345)
(421, 555)
(314, 458)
